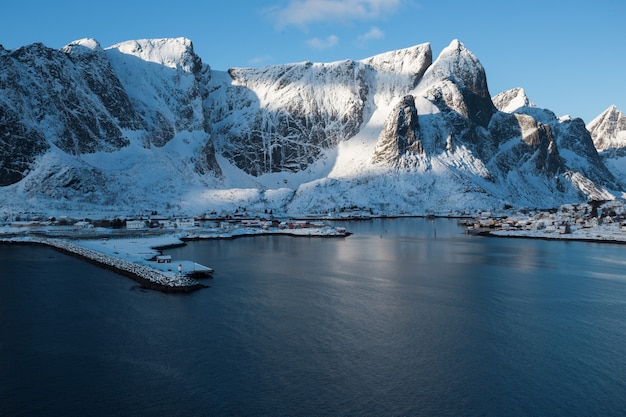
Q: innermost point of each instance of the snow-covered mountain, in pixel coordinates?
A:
(146, 125)
(608, 130)
(512, 100)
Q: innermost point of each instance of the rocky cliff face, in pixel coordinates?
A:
(518, 143)
(281, 118)
(526, 145)
(146, 121)
(400, 137)
(83, 99)
(102, 80)
(52, 98)
(556, 148)
(166, 83)
(608, 132)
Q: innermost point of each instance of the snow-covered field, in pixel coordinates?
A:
(600, 233)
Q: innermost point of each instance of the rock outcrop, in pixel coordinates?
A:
(400, 136)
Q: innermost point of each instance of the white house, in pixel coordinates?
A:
(82, 224)
(185, 223)
(135, 224)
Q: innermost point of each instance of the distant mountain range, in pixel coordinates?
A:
(146, 126)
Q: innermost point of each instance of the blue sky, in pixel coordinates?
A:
(570, 56)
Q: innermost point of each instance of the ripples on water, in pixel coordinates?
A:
(405, 317)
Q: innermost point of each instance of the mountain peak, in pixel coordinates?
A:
(402, 61)
(608, 130)
(455, 45)
(170, 52)
(457, 69)
(457, 61)
(144, 125)
(82, 45)
(511, 100)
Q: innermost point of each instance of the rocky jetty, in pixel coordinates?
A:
(147, 277)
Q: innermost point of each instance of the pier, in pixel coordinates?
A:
(146, 276)
(189, 269)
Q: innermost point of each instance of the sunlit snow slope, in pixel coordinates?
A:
(146, 126)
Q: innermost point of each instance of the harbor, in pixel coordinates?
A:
(135, 251)
(156, 278)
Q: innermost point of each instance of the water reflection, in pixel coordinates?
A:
(405, 317)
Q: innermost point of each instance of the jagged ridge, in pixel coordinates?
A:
(146, 123)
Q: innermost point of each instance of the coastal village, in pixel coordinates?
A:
(593, 221)
(133, 246)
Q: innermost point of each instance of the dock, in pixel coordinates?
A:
(189, 269)
(148, 277)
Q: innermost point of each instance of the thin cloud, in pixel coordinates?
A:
(327, 43)
(260, 60)
(301, 13)
(373, 34)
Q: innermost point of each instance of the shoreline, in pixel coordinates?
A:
(242, 235)
(105, 250)
(497, 234)
(96, 249)
(148, 278)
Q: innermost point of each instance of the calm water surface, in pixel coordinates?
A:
(407, 317)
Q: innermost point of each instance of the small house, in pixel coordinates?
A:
(251, 223)
(184, 223)
(135, 224)
(164, 259)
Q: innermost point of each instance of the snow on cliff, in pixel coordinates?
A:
(511, 100)
(145, 125)
(608, 130)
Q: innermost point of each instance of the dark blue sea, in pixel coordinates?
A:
(406, 317)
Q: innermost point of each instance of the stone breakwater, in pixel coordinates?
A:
(146, 276)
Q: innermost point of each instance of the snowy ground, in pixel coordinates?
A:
(136, 250)
(605, 223)
(128, 249)
(600, 233)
